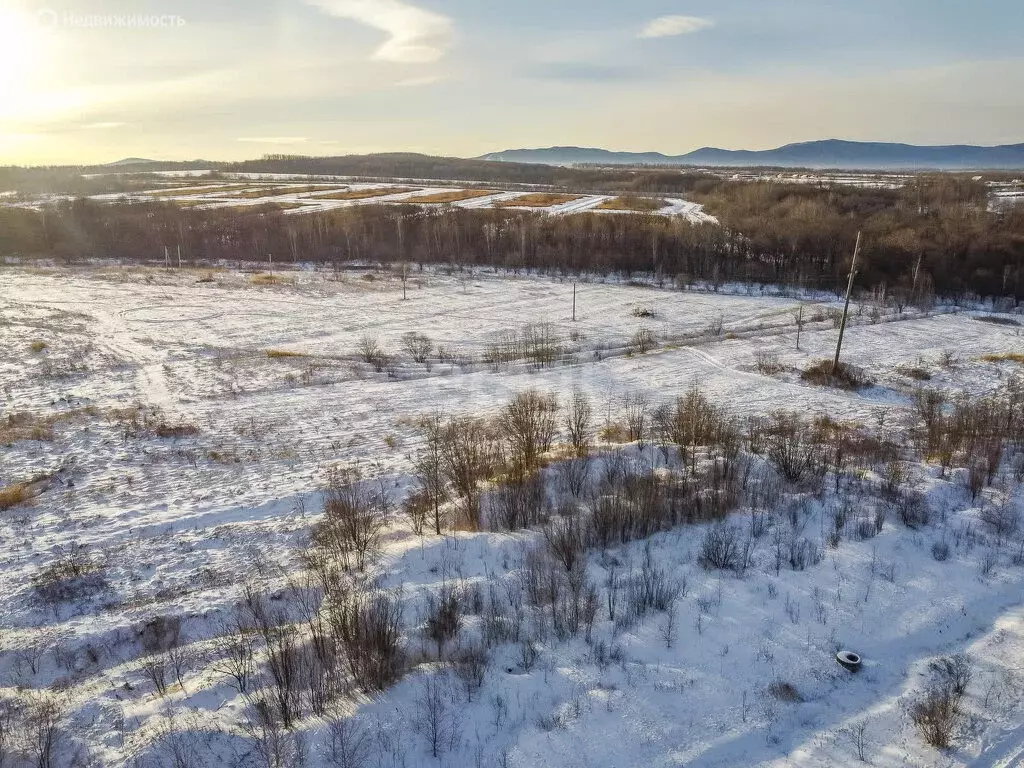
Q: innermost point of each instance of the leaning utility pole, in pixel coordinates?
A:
(846, 307)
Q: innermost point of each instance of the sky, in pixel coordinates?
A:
(94, 81)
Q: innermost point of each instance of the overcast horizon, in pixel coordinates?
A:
(95, 82)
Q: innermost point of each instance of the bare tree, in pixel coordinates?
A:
(235, 654)
(578, 421)
(435, 717)
(419, 346)
(44, 728)
(467, 454)
(354, 517)
(430, 468)
(350, 744)
(529, 424)
(637, 413)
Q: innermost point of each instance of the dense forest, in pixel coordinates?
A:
(935, 235)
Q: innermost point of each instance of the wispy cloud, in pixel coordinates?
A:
(671, 26)
(414, 34)
(102, 126)
(274, 139)
(584, 71)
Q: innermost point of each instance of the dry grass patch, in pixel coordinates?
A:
(283, 354)
(14, 496)
(845, 376)
(267, 278)
(37, 346)
(255, 194)
(363, 194)
(28, 426)
(453, 197)
(1003, 357)
(194, 191)
(538, 200)
(631, 203)
(785, 692)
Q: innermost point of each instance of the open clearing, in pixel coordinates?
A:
(632, 204)
(451, 197)
(310, 196)
(178, 427)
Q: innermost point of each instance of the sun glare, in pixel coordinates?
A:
(21, 42)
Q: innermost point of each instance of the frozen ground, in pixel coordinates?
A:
(181, 523)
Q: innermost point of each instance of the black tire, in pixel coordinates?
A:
(849, 660)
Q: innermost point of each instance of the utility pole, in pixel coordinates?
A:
(179, 255)
(799, 325)
(846, 306)
(167, 258)
(574, 302)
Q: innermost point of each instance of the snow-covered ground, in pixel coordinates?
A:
(182, 523)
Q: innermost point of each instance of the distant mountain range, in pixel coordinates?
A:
(831, 153)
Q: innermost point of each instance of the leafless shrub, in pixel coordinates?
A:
(11, 712)
(354, 517)
(579, 423)
(938, 712)
(528, 425)
(575, 475)
(940, 551)
(369, 627)
(1001, 518)
(154, 667)
(417, 509)
(275, 744)
(567, 540)
(767, 362)
(418, 346)
(234, 655)
(936, 715)
(989, 561)
(789, 445)
(913, 510)
(720, 548)
(637, 407)
(435, 716)
(784, 692)
(369, 349)
(43, 728)
(429, 470)
(520, 502)
(643, 341)
(471, 667)
(444, 617)
(350, 744)
(74, 576)
(468, 455)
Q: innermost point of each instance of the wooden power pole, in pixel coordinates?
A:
(846, 306)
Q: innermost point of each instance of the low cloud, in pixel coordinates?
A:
(672, 26)
(414, 34)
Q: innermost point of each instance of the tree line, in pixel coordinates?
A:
(934, 236)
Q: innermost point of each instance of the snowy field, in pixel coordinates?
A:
(186, 422)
